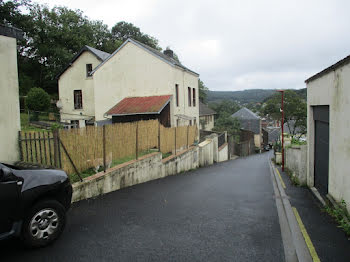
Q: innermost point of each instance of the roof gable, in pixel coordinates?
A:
(140, 105)
(150, 50)
(245, 113)
(100, 55)
(204, 110)
(331, 68)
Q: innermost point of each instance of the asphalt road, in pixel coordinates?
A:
(225, 212)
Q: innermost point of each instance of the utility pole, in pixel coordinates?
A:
(282, 123)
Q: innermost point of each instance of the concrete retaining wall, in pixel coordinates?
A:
(150, 167)
(223, 153)
(146, 168)
(296, 161)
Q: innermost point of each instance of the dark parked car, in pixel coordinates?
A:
(33, 203)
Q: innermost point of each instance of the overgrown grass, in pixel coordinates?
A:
(294, 179)
(91, 171)
(75, 178)
(165, 155)
(341, 216)
(25, 124)
(298, 142)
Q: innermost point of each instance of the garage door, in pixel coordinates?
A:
(321, 117)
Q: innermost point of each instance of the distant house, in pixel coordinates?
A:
(250, 121)
(206, 117)
(328, 129)
(134, 82)
(9, 98)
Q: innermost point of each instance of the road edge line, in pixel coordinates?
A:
(306, 236)
(279, 175)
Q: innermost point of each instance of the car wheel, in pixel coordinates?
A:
(43, 224)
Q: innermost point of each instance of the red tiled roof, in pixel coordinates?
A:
(140, 105)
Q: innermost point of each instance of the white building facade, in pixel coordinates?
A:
(328, 119)
(133, 70)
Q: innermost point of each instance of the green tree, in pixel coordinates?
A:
(227, 123)
(295, 111)
(123, 30)
(203, 92)
(224, 107)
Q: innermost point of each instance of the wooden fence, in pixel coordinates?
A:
(76, 150)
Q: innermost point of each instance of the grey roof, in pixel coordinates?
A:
(151, 50)
(204, 110)
(245, 113)
(11, 31)
(100, 55)
(249, 120)
(331, 68)
(274, 133)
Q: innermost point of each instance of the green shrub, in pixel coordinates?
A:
(38, 100)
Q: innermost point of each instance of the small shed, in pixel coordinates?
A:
(132, 109)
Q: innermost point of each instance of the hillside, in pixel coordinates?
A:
(246, 96)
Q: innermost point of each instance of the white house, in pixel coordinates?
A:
(9, 98)
(206, 117)
(328, 119)
(98, 88)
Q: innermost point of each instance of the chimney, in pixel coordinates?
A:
(169, 52)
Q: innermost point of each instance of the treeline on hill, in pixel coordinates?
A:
(247, 96)
(53, 36)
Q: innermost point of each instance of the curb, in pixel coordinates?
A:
(300, 246)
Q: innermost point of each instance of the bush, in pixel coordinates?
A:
(38, 100)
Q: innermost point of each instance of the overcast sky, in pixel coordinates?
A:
(238, 44)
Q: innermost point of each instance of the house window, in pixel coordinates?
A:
(189, 96)
(195, 121)
(78, 99)
(177, 94)
(194, 97)
(177, 122)
(88, 69)
(190, 122)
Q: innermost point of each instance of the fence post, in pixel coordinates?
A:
(187, 137)
(137, 142)
(159, 135)
(20, 145)
(59, 149)
(175, 139)
(104, 147)
(55, 147)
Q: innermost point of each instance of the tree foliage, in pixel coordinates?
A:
(203, 91)
(224, 107)
(53, 36)
(123, 30)
(227, 123)
(38, 100)
(295, 111)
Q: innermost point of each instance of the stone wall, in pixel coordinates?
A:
(296, 162)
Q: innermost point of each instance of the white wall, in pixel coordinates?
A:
(136, 72)
(9, 100)
(332, 89)
(210, 125)
(223, 153)
(74, 78)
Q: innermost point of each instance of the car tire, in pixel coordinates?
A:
(43, 224)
